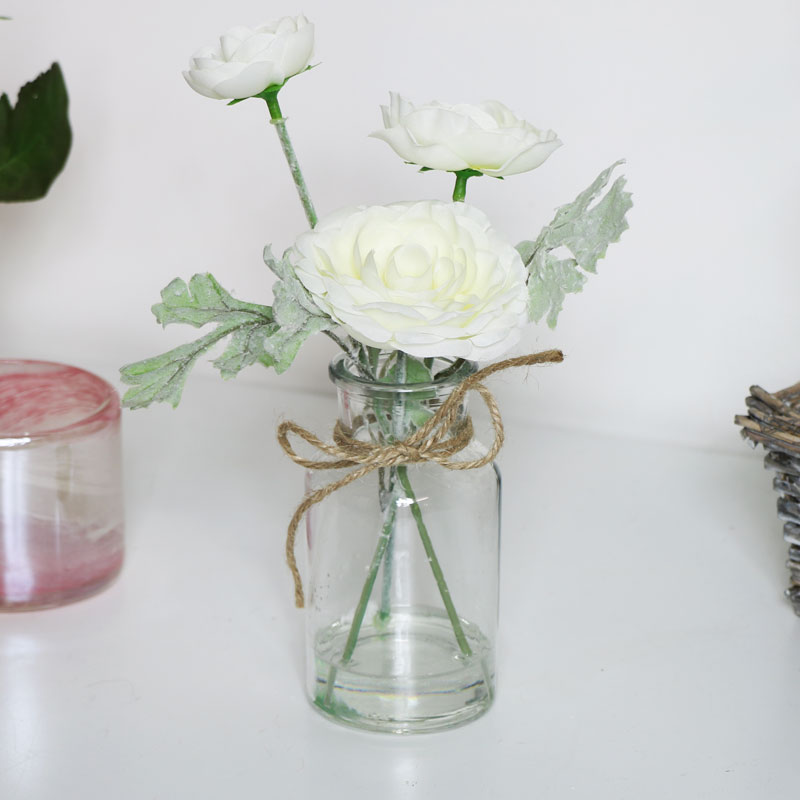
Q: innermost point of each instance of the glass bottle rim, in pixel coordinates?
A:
(104, 408)
(343, 374)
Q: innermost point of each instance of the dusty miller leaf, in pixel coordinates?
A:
(160, 379)
(295, 312)
(267, 335)
(288, 290)
(200, 302)
(583, 229)
(203, 300)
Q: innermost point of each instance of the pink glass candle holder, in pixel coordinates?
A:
(61, 523)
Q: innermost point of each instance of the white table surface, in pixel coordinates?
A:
(645, 650)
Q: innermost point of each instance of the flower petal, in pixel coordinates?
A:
(432, 156)
(195, 80)
(528, 159)
(246, 61)
(428, 278)
(251, 80)
(486, 137)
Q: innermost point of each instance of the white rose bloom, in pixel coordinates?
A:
(486, 137)
(245, 62)
(428, 278)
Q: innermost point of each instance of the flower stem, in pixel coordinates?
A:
(386, 589)
(460, 189)
(277, 119)
(393, 427)
(366, 591)
(402, 474)
(398, 432)
(352, 353)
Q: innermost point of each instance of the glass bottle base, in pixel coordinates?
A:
(44, 566)
(407, 673)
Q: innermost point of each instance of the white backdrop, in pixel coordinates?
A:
(697, 301)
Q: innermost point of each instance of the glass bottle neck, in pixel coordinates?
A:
(383, 412)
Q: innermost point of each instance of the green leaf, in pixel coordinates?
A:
(554, 280)
(416, 372)
(258, 334)
(161, 379)
(203, 300)
(296, 313)
(245, 347)
(293, 303)
(583, 229)
(35, 137)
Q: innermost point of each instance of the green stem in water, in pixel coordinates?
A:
(460, 189)
(398, 432)
(386, 589)
(276, 118)
(383, 551)
(361, 608)
(402, 474)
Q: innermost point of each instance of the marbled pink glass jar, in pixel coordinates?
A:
(61, 521)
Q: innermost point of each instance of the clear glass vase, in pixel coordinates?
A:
(403, 572)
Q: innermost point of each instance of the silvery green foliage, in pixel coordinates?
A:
(586, 233)
(296, 315)
(268, 335)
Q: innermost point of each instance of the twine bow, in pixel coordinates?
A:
(440, 439)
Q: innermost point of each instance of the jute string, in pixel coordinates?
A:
(439, 440)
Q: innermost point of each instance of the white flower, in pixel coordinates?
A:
(428, 278)
(486, 137)
(245, 62)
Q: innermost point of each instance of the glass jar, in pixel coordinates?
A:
(61, 527)
(402, 571)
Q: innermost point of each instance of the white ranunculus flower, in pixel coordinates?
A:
(428, 278)
(486, 137)
(246, 61)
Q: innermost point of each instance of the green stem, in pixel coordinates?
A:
(361, 608)
(386, 589)
(402, 474)
(373, 358)
(398, 432)
(460, 189)
(277, 119)
(383, 550)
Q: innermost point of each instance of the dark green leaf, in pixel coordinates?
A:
(35, 137)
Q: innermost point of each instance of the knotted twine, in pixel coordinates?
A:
(438, 440)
